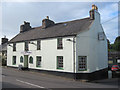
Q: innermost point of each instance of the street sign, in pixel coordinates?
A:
(26, 52)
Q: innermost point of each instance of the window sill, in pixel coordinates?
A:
(83, 70)
(38, 66)
(30, 63)
(60, 48)
(60, 68)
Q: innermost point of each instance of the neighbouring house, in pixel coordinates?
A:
(75, 48)
(3, 50)
(113, 58)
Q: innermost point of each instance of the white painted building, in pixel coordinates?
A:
(76, 47)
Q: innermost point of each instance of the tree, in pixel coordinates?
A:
(116, 45)
(108, 43)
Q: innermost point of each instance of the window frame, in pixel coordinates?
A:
(60, 43)
(37, 61)
(58, 67)
(26, 46)
(83, 64)
(31, 62)
(14, 46)
(22, 59)
(14, 58)
(38, 44)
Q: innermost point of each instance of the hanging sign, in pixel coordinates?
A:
(100, 36)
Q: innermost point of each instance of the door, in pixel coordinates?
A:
(26, 61)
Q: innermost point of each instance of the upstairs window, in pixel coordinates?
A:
(14, 46)
(82, 63)
(59, 43)
(14, 60)
(38, 44)
(59, 62)
(38, 62)
(26, 46)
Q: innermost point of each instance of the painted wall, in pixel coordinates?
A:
(48, 52)
(82, 48)
(89, 45)
(86, 44)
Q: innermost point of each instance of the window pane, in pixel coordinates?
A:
(21, 59)
(59, 43)
(31, 60)
(38, 62)
(14, 60)
(14, 46)
(82, 63)
(26, 46)
(38, 44)
(59, 62)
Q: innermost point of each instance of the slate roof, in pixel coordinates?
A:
(70, 28)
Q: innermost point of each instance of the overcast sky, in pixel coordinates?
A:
(15, 13)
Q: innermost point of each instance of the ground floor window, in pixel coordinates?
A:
(38, 61)
(21, 59)
(14, 60)
(31, 60)
(59, 62)
(82, 63)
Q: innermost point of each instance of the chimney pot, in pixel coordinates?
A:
(94, 7)
(47, 17)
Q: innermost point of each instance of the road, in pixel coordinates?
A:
(14, 78)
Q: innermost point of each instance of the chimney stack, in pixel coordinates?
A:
(4, 40)
(25, 27)
(92, 12)
(47, 22)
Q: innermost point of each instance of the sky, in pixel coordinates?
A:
(15, 13)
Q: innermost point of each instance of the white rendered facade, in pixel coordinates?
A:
(86, 43)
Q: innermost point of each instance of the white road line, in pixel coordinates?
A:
(29, 83)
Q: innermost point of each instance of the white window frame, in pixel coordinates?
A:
(82, 63)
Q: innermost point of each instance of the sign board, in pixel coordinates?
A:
(100, 36)
(26, 52)
(110, 62)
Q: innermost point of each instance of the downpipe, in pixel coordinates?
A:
(74, 58)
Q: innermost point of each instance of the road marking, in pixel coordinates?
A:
(29, 83)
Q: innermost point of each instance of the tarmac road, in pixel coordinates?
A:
(14, 78)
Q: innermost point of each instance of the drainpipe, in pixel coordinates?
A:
(74, 57)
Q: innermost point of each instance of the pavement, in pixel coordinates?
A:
(14, 78)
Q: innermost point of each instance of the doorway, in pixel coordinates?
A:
(25, 61)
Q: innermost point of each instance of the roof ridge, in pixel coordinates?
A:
(59, 29)
(64, 22)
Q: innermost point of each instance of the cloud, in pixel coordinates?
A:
(60, 0)
(14, 13)
(110, 25)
